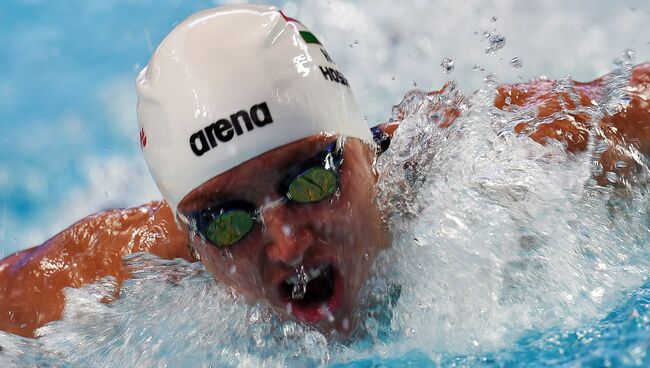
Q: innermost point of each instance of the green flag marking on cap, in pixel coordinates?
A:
(309, 37)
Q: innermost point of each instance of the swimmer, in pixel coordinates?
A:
(266, 170)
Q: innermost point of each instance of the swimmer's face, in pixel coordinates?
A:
(333, 241)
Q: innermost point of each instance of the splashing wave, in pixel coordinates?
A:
(505, 251)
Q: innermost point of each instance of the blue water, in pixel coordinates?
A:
(68, 142)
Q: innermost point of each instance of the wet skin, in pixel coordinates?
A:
(337, 232)
(344, 232)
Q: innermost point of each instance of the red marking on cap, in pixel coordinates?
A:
(143, 138)
(288, 19)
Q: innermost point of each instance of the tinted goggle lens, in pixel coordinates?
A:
(313, 185)
(228, 225)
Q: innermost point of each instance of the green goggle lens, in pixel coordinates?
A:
(229, 227)
(313, 185)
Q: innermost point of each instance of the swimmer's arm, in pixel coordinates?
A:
(629, 128)
(32, 281)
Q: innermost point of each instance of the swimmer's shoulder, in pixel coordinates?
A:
(563, 115)
(32, 281)
(564, 111)
(146, 228)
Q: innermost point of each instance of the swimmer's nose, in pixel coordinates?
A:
(288, 239)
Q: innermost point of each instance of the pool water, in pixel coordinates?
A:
(506, 252)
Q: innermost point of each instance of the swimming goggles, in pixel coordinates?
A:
(313, 181)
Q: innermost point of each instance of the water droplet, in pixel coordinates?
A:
(490, 78)
(415, 84)
(354, 44)
(255, 315)
(486, 34)
(493, 19)
(597, 294)
(233, 269)
(478, 68)
(330, 316)
(516, 63)
(611, 176)
(628, 54)
(345, 324)
(447, 65)
(300, 288)
(497, 42)
(286, 230)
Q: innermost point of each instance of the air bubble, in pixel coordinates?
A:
(447, 65)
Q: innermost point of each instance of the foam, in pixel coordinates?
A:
(495, 236)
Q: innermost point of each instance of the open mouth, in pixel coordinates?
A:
(313, 294)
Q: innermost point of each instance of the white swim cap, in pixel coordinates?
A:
(230, 83)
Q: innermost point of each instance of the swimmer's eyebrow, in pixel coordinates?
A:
(297, 165)
(210, 200)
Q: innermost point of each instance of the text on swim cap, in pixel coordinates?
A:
(224, 130)
(333, 75)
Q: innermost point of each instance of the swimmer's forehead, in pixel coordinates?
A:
(256, 177)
